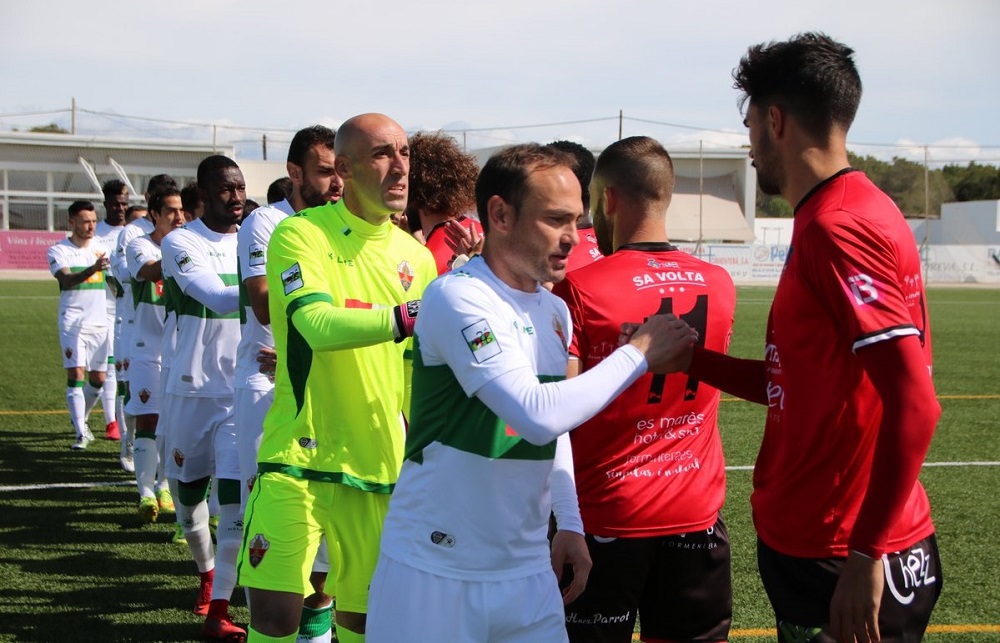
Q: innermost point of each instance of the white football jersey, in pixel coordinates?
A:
(204, 361)
(146, 335)
(84, 305)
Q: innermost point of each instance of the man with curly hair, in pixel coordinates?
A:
(442, 190)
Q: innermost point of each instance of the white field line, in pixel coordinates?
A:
(131, 483)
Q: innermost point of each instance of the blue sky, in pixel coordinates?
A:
(930, 68)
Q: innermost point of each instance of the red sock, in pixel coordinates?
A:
(207, 577)
(219, 608)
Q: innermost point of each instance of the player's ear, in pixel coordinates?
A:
(611, 198)
(342, 164)
(775, 121)
(500, 212)
(294, 172)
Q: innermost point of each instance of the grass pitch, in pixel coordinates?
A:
(77, 565)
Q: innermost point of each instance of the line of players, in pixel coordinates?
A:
(649, 492)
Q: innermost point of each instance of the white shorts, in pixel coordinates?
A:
(85, 347)
(144, 387)
(407, 604)
(251, 407)
(199, 438)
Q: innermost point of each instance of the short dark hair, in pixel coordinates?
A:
(306, 139)
(112, 188)
(190, 197)
(249, 206)
(442, 177)
(211, 165)
(584, 167)
(160, 181)
(506, 173)
(279, 190)
(76, 207)
(157, 198)
(811, 76)
(132, 209)
(639, 167)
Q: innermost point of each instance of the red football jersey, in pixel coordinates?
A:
(586, 252)
(651, 463)
(852, 278)
(435, 242)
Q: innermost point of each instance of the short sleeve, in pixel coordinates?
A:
(252, 240)
(856, 269)
(295, 271)
(182, 260)
(57, 260)
(567, 291)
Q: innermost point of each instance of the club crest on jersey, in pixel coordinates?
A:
(258, 254)
(443, 539)
(560, 331)
(184, 262)
(291, 279)
(144, 395)
(178, 457)
(405, 273)
(307, 443)
(69, 353)
(257, 549)
(482, 341)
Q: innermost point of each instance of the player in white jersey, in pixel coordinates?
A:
(136, 225)
(315, 182)
(146, 276)
(200, 273)
(464, 553)
(135, 214)
(106, 235)
(78, 264)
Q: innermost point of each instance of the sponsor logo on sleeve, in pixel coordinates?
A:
(291, 279)
(184, 262)
(481, 340)
(258, 254)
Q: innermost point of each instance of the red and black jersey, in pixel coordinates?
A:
(435, 242)
(852, 278)
(651, 463)
(586, 252)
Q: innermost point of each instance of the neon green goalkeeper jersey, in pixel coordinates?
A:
(342, 383)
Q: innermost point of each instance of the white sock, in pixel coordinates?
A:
(194, 522)
(161, 475)
(108, 394)
(120, 415)
(213, 500)
(91, 394)
(127, 431)
(77, 408)
(145, 466)
(228, 538)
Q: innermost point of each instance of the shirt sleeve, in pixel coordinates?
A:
(571, 295)
(252, 240)
(855, 267)
(183, 261)
(298, 289)
(57, 260)
(137, 255)
(562, 483)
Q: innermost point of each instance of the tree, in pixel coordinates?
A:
(51, 128)
(973, 182)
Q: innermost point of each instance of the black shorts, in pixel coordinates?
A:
(680, 586)
(800, 591)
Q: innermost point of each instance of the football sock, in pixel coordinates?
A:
(228, 538)
(194, 522)
(315, 625)
(145, 464)
(77, 405)
(345, 635)
(253, 636)
(109, 393)
(161, 464)
(91, 393)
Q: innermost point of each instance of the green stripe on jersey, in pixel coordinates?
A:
(144, 292)
(325, 476)
(86, 285)
(187, 305)
(443, 413)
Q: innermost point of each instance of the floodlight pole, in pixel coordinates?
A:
(72, 127)
(619, 124)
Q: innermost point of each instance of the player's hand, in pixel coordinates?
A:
(462, 240)
(856, 600)
(404, 317)
(268, 360)
(667, 342)
(102, 263)
(570, 548)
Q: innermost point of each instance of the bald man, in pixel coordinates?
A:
(345, 285)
